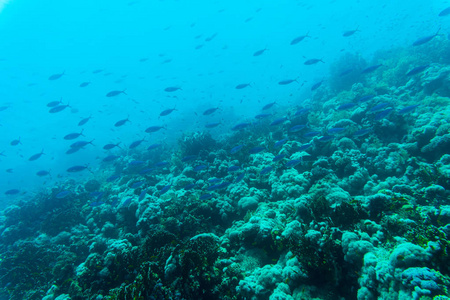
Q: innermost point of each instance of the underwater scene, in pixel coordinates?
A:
(237, 150)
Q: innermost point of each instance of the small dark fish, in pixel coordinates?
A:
(115, 201)
(346, 72)
(136, 143)
(444, 12)
(42, 173)
(256, 150)
(166, 112)
(200, 168)
(299, 39)
(97, 71)
(304, 147)
(210, 111)
(72, 136)
(54, 103)
(171, 89)
(84, 84)
(378, 107)
(311, 134)
(236, 149)
(12, 192)
(121, 122)
(135, 163)
(164, 189)
(36, 156)
(188, 158)
(362, 132)
(346, 106)
(425, 39)
(76, 169)
(161, 164)
(154, 146)
(287, 81)
(301, 111)
(190, 186)
(4, 107)
(115, 93)
(15, 142)
(366, 98)
(279, 143)
(97, 195)
(214, 180)
(96, 203)
(312, 61)
(348, 33)
(56, 76)
(408, 109)
(142, 195)
(234, 168)
(266, 170)
(336, 130)
(278, 121)
(259, 52)
(219, 186)
(205, 197)
(224, 185)
(212, 125)
(278, 157)
(214, 187)
(262, 116)
(110, 158)
(370, 69)
(72, 150)
(417, 70)
(326, 138)
(239, 177)
(112, 178)
(58, 108)
(211, 37)
(81, 144)
(268, 105)
(316, 85)
(152, 129)
(84, 121)
(296, 128)
(111, 146)
(9, 170)
(240, 126)
(126, 202)
(137, 184)
(146, 171)
(62, 195)
(381, 115)
(293, 162)
(242, 86)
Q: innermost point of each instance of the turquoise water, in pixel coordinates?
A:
(44, 38)
(338, 199)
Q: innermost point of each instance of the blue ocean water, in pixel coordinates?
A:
(144, 47)
(351, 105)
